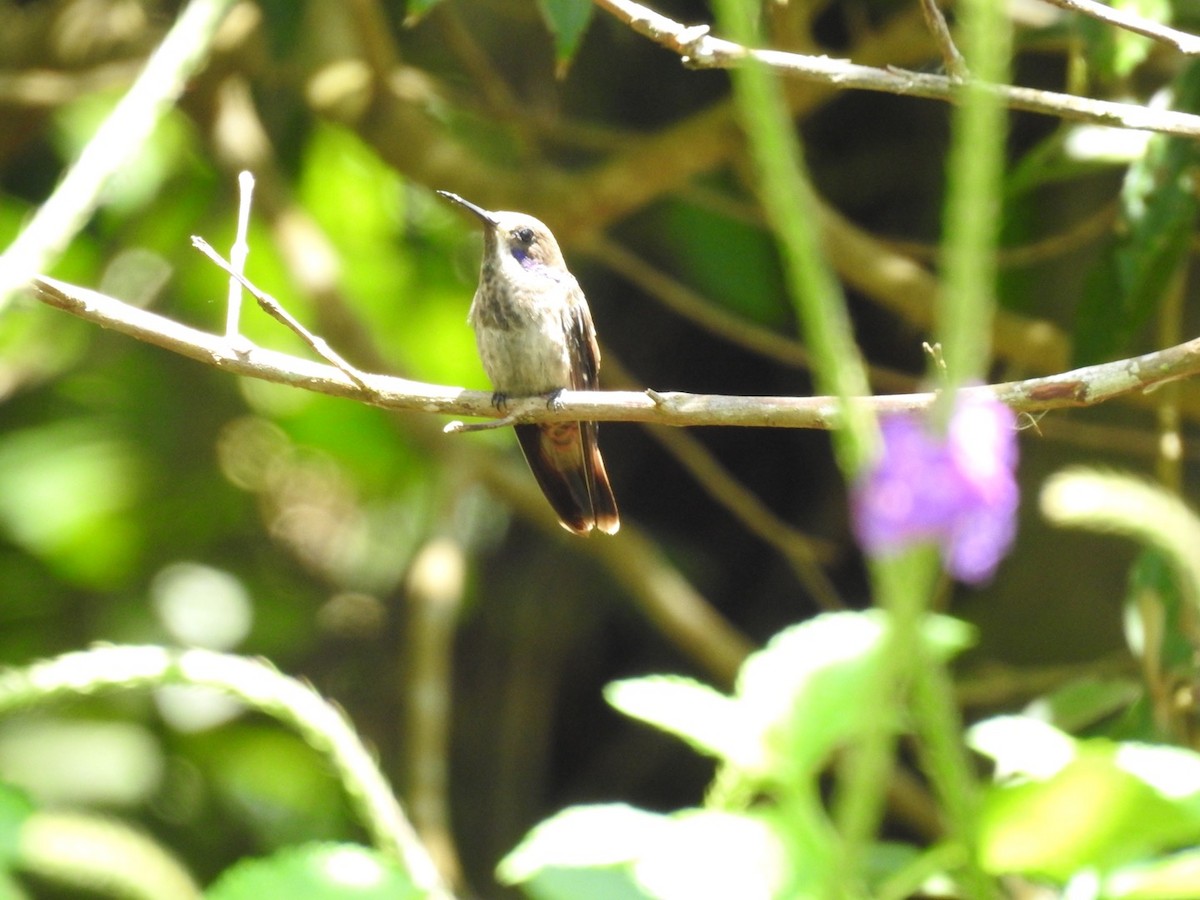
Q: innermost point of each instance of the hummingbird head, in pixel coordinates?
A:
(514, 236)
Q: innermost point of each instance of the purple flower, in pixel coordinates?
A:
(957, 490)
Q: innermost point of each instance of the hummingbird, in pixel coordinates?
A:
(535, 336)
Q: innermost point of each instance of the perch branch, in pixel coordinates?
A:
(1087, 386)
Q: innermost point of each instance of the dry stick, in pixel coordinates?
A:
(275, 309)
(1087, 386)
(700, 50)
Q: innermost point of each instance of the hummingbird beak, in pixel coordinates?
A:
(467, 204)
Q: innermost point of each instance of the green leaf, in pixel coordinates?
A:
(1070, 805)
(796, 699)
(702, 245)
(1158, 214)
(1084, 702)
(1154, 579)
(1114, 53)
(708, 720)
(803, 691)
(567, 20)
(280, 788)
(316, 872)
(617, 851)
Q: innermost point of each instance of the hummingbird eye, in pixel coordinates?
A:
(524, 235)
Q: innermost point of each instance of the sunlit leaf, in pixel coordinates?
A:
(583, 837)
(633, 853)
(707, 719)
(1065, 805)
(805, 689)
(707, 853)
(1021, 745)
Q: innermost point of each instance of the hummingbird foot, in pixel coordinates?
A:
(554, 399)
(500, 400)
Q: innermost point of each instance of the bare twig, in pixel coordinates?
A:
(700, 50)
(237, 257)
(1087, 386)
(275, 309)
(459, 427)
(951, 58)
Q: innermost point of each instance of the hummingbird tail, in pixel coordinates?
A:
(565, 459)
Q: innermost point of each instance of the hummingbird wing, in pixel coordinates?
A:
(565, 456)
(585, 369)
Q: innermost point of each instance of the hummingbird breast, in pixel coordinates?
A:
(522, 337)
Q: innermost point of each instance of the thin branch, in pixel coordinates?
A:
(1087, 386)
(1188, 44)
(700, 50)
(120, 136)
(275, 310)
(237, 257)
(951, 58)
